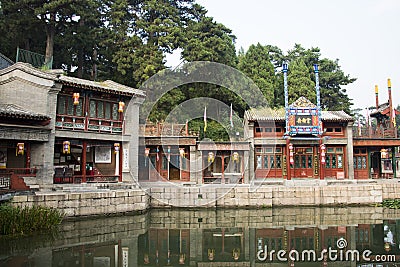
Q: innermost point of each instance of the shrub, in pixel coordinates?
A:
(21, 221)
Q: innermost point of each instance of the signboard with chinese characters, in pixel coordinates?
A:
(303, 121)
(316, 165)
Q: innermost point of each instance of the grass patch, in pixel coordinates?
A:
(391, 203)
(24, 221)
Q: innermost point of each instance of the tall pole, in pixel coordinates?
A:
(285, 88)
(287, 132)
(389, 83)
(376, 97)
(317, 91)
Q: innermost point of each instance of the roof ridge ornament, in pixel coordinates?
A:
(302, 102)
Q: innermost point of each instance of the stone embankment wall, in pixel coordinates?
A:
(88, 203)
(131, 200)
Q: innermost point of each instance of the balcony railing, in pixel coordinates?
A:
(374, 132)
(163, 129)
(88, 124)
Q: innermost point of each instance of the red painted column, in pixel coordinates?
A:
(288, 171)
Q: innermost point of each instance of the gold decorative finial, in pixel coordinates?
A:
(389, 83)
(376, 89)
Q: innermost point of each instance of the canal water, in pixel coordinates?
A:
(353, 236)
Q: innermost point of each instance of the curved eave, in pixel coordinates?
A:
(99, 89)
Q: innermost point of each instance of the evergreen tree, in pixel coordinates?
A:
(300, 82)
(256, 64)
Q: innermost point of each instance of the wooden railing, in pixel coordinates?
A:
(31, 172)
(5, 181)
(78, 179)
(374, 132)
(88, 124)
(164, 129)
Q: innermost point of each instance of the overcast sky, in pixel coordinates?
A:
(363, 34)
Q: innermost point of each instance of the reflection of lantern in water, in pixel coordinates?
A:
(75, 97)
(211, 157)
(20, 149)
(182, 258)
(211, 254)
(236, 254)
(66, 147)
(387, 247)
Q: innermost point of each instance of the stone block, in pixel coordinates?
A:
(19, 199)
(53, 197)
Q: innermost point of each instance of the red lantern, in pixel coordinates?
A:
(323, 148)
(146, 151)
(116, 148)
(211, 157)
(290, 146)
(76, 98)
(235, 156)
(66, 147)
(182, 152)
(20, 149)
(121, 106)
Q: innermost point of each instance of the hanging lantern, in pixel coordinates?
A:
(384, 153)
(211, 157)
(323, 148)
(146, 151)
(20, 149)
(182, 152)
(121, 106)
(290, 146)
(116, 148)
(66, 147)
(75, 97)
(169, 153)
(235, 156)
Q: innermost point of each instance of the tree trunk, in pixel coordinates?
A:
(50, 32)
(80, 53)
(94, 67)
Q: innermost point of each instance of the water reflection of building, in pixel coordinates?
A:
(161, 247)
(220, 238)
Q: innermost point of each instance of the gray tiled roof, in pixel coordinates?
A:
(107, 85)
(57, 76)
(14, 111)
(268, 114)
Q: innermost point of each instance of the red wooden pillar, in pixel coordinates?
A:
(322, 160)
(84, 149)
(288, 171)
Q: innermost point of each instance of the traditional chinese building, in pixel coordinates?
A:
(59, 129)
(299, 156)
(168, 154)
(376, 143)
